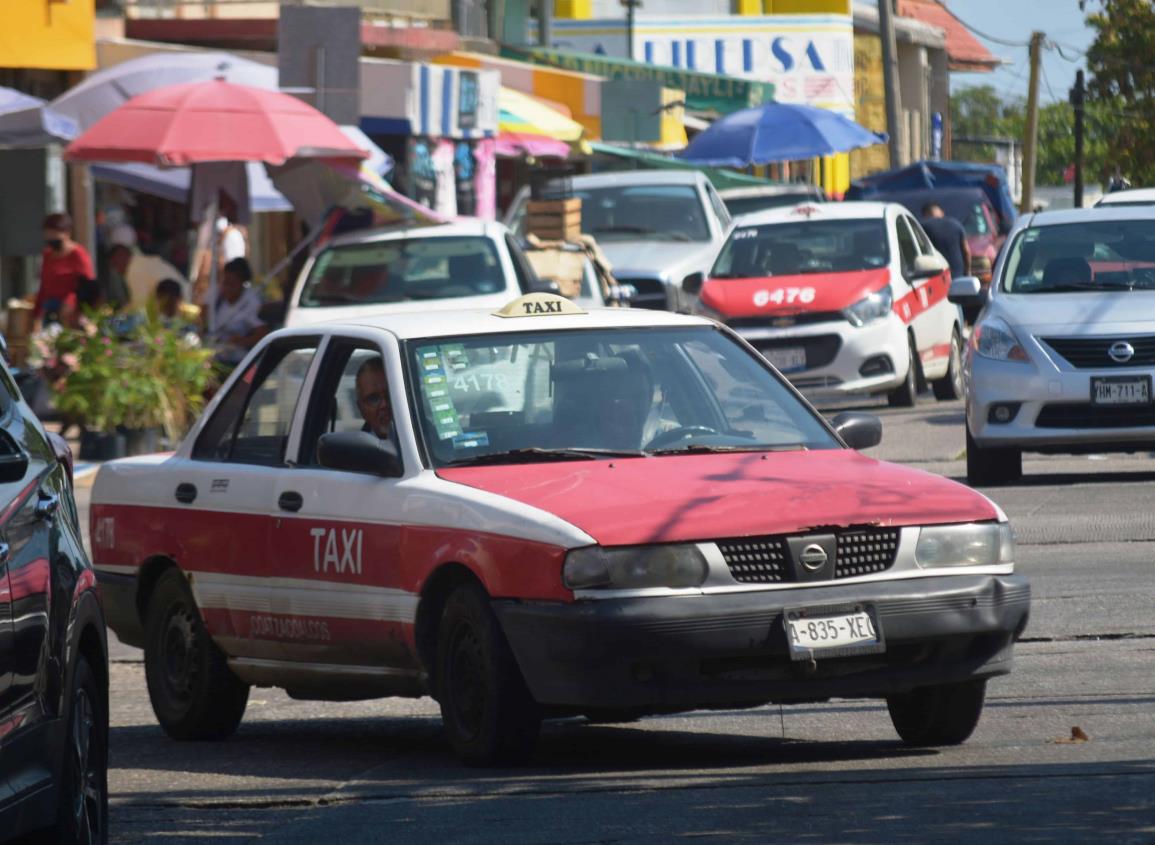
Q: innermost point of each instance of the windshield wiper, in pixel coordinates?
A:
(535, 454)
(702, 449)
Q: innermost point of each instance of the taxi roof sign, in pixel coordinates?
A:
(539, 305)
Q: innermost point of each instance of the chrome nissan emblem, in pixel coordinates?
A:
(1121, 352)
(813, 557)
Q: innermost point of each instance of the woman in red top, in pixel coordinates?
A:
(65, 268)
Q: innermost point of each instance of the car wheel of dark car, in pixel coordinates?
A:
(83, 814)
(987, 467)
(906, 394)
(489, 715)
(940, 715)
(950, 386)
(192, 690)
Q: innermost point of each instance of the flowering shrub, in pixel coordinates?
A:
(131, 372)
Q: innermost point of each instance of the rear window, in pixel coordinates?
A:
(403, 271)
(813, 246)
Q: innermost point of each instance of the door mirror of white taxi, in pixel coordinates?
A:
(692, 284)
(926, 266)
(859, 430)
(358, 451)
(967, 291)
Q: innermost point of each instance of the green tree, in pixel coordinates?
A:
(1122, 85)
(979, 112)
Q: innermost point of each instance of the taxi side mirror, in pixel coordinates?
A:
(692, 284)
(857, 429)
(358, 451)
(926, 266)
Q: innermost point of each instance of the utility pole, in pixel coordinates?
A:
(1077, 99)
(1031, 141)
(631, 6)
(890, 81)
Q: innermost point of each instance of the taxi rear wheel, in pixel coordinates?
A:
(489, 715)
(906, 394)
(193, 693)
(946, 714)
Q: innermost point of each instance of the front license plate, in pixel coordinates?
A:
(788, 359)
(1121, 390)
(832, 632)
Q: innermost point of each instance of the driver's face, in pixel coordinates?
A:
(373, 402)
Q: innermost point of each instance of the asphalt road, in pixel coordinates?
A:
(302, 772)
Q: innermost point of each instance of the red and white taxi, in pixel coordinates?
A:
(843, 298)
(609, 513)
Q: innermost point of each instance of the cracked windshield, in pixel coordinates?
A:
(536, 396)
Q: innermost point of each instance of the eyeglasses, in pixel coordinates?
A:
(381, 397)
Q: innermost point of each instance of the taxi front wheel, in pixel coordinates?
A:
(193, 693)
(946, 714)
(489, 715)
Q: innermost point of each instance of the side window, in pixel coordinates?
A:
(251, 425)
(924, 244)
(335, 406)
(907, 248)
(526, 279)
(720, 210)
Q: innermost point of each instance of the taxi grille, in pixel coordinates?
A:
(757, 560)
(766, 560)
(770, 322)
(1091, 352)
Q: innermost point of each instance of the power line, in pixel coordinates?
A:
(1002, 41)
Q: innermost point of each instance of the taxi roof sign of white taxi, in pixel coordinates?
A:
(539, 305)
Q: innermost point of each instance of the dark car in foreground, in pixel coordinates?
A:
(53, 647)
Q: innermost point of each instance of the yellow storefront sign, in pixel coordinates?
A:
(48, 34)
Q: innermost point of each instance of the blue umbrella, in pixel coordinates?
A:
(27, 121)
(777, 132)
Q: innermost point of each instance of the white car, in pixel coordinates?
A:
(843, 298)
(611, 513)
(1063, 356)
(465, 264)
(655, 226)
(1133, 196)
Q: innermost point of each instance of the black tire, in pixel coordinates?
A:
(489, 715)
(989, 467)
(906, 394)
(940, 715)
(82, 816)
(950, 386)
(193, 693)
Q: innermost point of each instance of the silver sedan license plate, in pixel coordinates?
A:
(1121, 390)
(815, 632)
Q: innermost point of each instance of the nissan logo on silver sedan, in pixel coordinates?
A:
(1121, 352)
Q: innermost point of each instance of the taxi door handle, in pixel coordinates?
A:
(186, 493)
(290, 501)
(47, 506)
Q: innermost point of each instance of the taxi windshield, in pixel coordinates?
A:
(1086, 256)
(537, 396)
(798, 248)
(403, 270)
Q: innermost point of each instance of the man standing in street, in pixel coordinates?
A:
(949, 238)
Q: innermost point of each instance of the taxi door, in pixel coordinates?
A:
(927, 305)
(225, 495)
(337, 583)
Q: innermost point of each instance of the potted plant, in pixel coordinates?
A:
(129, 380)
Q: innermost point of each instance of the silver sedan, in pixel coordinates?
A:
(1062, 357)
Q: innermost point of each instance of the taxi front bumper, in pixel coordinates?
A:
(675, 653)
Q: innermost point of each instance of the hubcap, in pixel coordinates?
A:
(466, 675)
(179, 653)
(87, 786)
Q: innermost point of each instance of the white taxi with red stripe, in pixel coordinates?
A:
(545, 511)
(843, 298)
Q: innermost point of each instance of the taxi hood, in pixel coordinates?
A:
(783, 295)
(680, 498)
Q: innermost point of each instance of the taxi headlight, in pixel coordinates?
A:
(634, 567)
(975, 544)
(872, 307)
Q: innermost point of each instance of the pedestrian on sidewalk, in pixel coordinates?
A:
(66, 272)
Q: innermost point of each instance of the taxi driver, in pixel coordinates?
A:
(373, 399)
